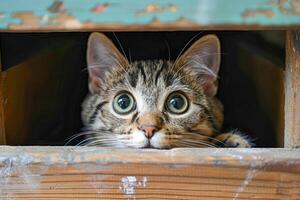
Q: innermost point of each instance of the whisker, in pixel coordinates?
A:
(169, 51)
(68, 140)
(202, 142)
(199, 134)
(90, 66)
(182, 50)
(101, 132)
(204, 70)
(129, 52)
(193, 143)
(103, 143)
(95, 139)
(122, 49)
(87, 139)
(192, 140)
(189, 143)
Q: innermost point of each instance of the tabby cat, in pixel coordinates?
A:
(155, 103)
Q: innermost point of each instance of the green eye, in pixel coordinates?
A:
(177, 103)
(123, 103)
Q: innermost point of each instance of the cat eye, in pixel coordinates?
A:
(123, 103)
(177, 103)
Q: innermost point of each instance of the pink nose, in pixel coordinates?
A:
(148, 130)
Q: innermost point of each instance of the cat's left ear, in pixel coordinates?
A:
(203, 59)
(102, 58)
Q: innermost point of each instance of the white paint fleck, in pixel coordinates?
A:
(249, 176)
(255, 167)
(130, 183)
(144, 181)
(19, 166)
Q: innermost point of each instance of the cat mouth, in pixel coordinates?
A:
(148, 145)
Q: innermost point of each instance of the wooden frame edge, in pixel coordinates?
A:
(292, 90)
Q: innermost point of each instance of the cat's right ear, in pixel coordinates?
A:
(203, 60)
(102, 58)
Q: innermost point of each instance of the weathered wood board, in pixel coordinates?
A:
(292, 90)
(68, 15)
(116, 173)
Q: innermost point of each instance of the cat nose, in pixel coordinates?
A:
(148, 130)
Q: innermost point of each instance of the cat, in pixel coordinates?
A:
(155, 103)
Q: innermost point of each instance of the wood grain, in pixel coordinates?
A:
(116, 173)
(292, 90)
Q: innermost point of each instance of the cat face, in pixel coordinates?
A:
(153, 103)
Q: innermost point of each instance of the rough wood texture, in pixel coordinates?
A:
(292, 90)
(107, 173)
(115, 15)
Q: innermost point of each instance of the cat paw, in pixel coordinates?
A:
(232, 140)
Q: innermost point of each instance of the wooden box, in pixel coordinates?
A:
(43, 81)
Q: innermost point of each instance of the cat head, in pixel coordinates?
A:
(153, 103)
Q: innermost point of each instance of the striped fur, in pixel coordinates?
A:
(151, 82)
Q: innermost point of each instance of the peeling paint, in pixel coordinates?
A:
(19, 165)
(79, 155)
(100, 8)
(56, 7)
(157, 8)
(258, 12)
(129, 184)
(24, 167)
(29, 20)
(289, 7)
(249, 176)
(131, 14)
(254, 169)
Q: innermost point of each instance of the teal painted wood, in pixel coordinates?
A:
(147, 14)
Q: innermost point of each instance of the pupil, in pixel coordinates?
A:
(177, 102)
(124, 101)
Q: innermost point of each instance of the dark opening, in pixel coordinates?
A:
(250, 84)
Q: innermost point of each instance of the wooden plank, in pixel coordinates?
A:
(2, 102)
(120, 173)
(115, 15)
(292, 90)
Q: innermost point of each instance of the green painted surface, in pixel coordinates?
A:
(76, 14)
